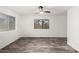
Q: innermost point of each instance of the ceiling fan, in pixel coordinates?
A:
(41, 10)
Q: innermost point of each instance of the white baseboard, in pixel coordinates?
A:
(73, 46)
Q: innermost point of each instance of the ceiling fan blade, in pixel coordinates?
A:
(47, 11)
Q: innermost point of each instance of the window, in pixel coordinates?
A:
(41, 24)
(6, 22)
(11, 23)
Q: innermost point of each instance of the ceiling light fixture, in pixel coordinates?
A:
(41, 12)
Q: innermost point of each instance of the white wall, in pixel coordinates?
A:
(73, 28)
(8, 37)
(57, 26)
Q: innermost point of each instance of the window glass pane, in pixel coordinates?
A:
(3, 22)
(11, 23)
(41, 24)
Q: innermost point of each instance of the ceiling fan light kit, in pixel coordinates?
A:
(41, 12)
